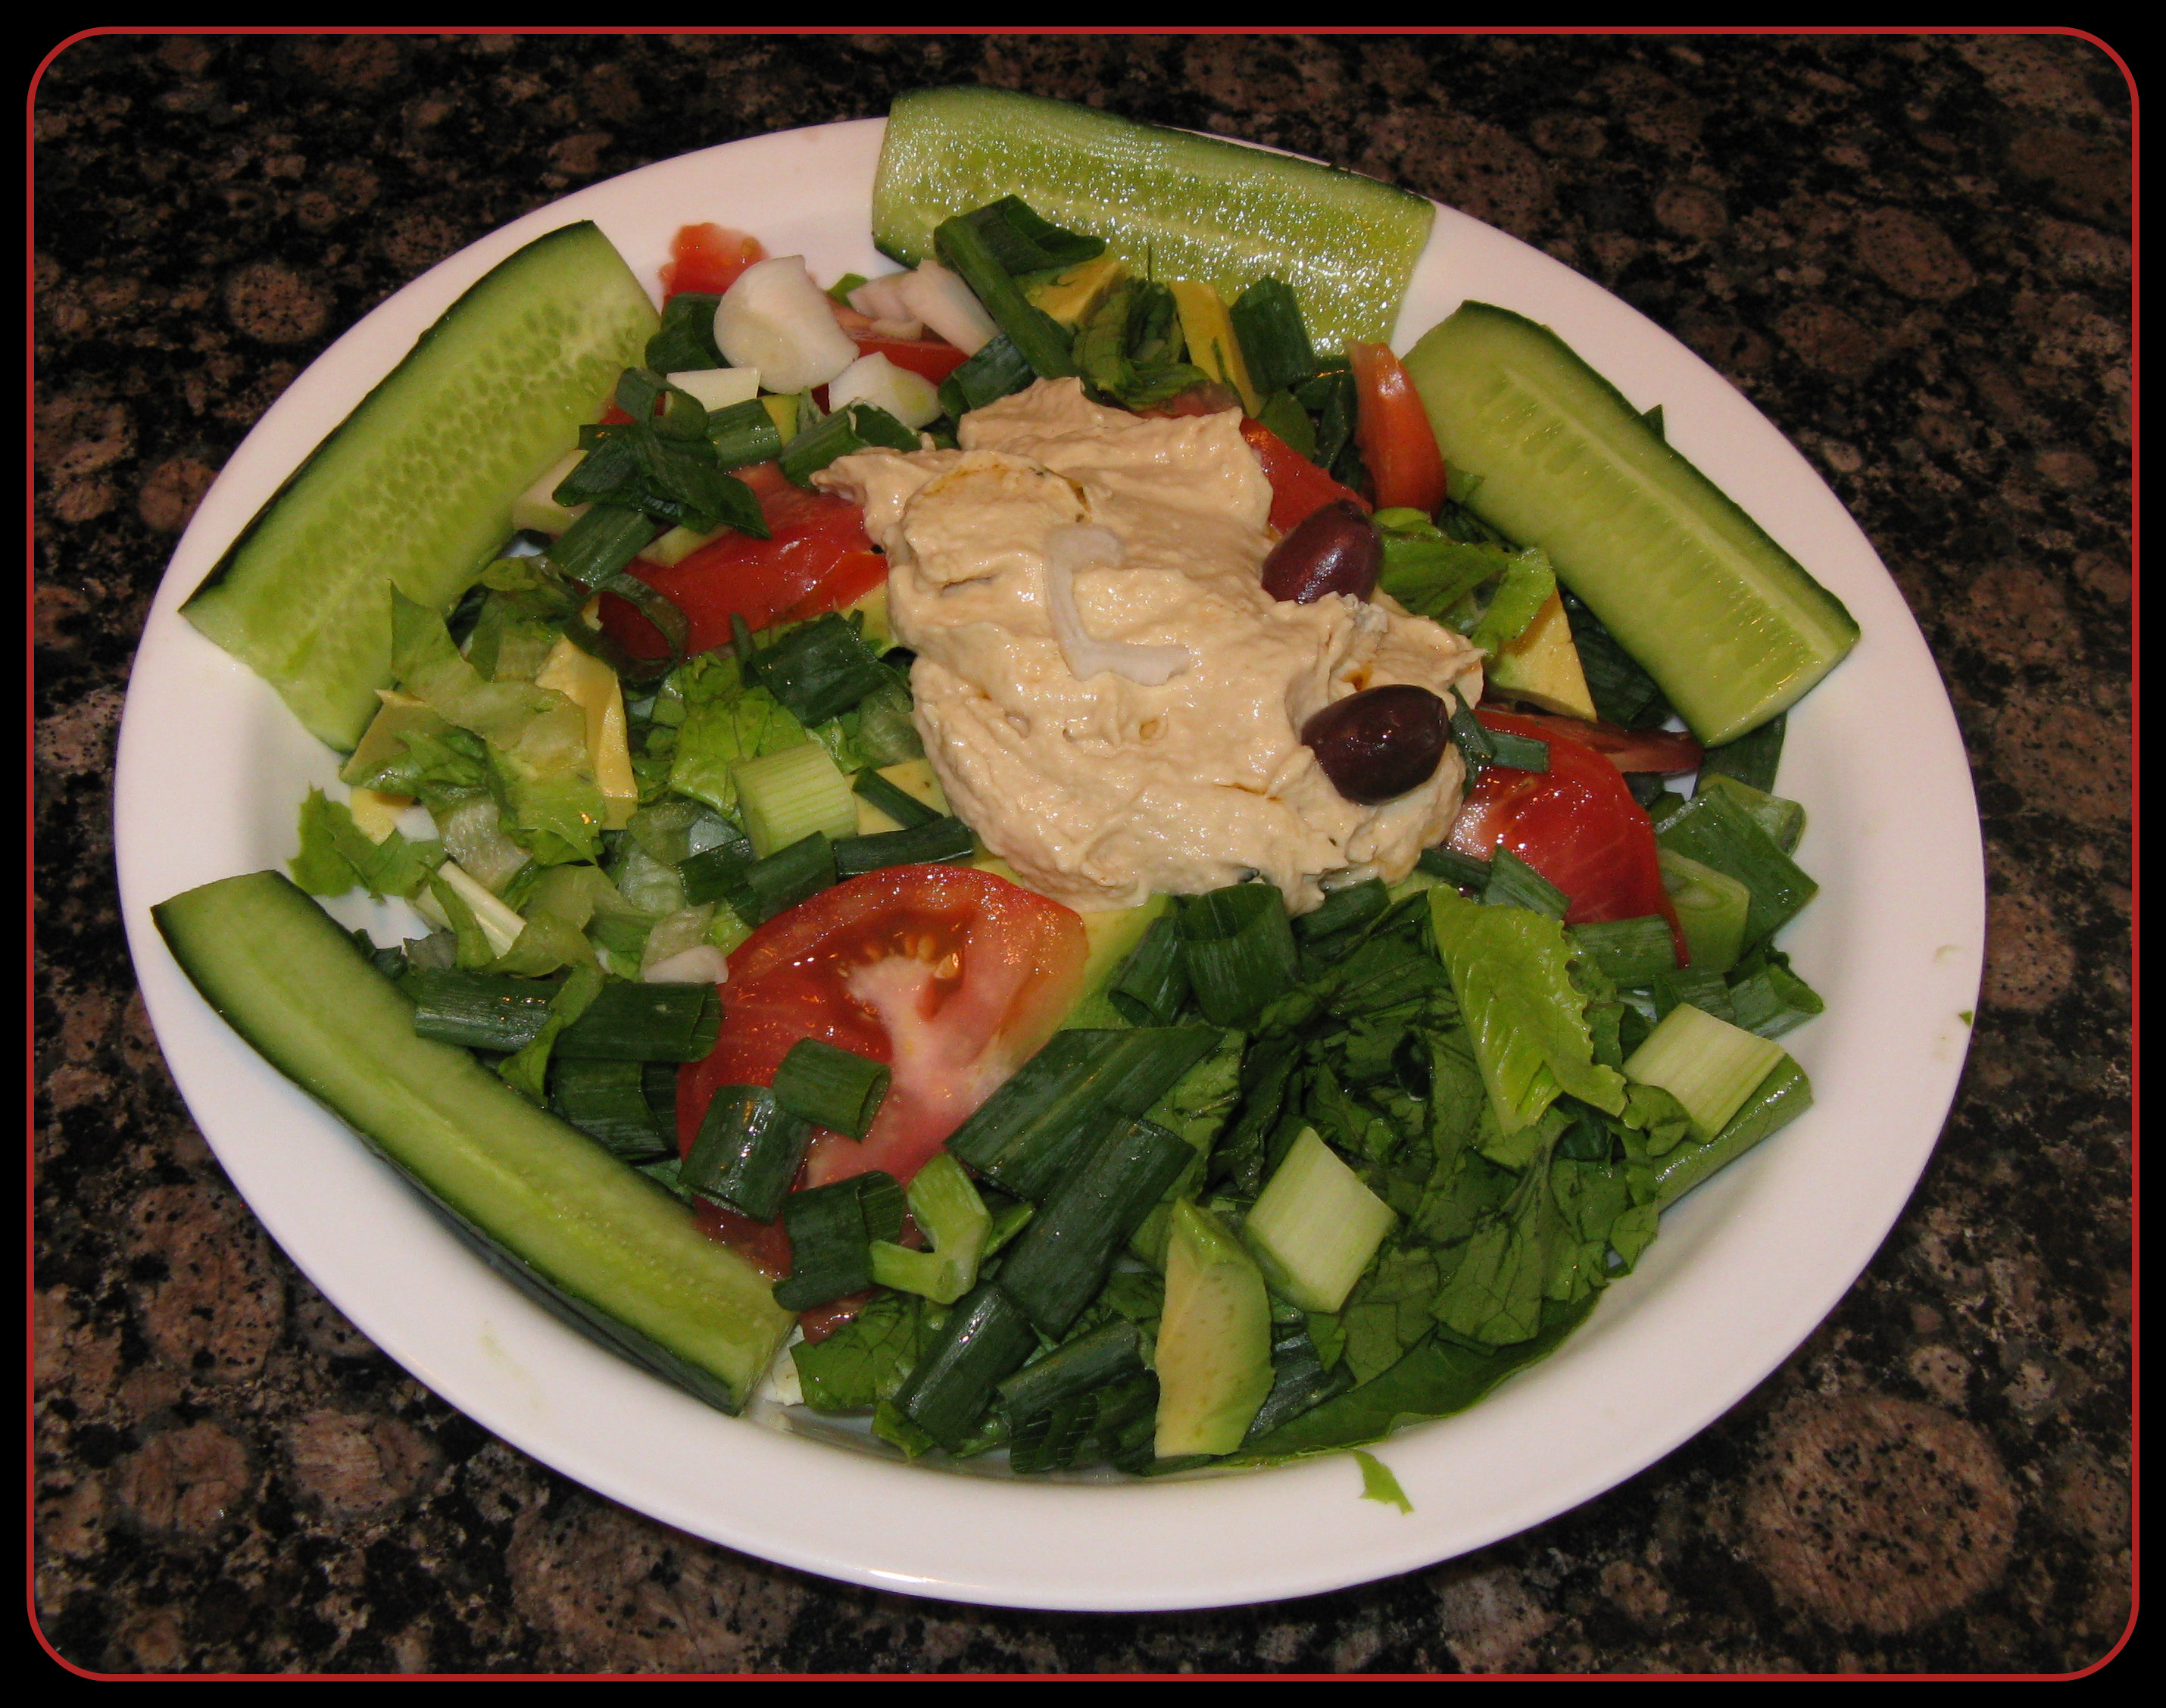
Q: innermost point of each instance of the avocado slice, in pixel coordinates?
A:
(1212, 344)
(1214, 1339)
(1069, 294)
(1542, 666)
(1112, 937)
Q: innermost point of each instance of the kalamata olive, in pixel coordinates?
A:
(1336, 549)
(1377, 744)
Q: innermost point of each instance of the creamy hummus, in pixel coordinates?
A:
(1102, 789)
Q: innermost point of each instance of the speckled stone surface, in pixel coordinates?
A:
(1913, 255)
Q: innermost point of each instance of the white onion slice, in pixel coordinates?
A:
(881, 297)
(776, 319)
(702, 964)
(1077, 545)
(718, 388)
(910, 397)
(944, 303)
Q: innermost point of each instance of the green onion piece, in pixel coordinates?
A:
(1630, 952)
(928, 844)
(479, 1011)
(600, 542)
(1024, 241)
(1273, 337)
(747, 1152)
(816, 447)
(840, 290)
(1239, 948)
(1648, 789)
(1702, 989)
(686, 341)
(1476, 741)
(985, 1338)
(905, 808)
(947, 1207)
(1057, 1107)
(1152, 984)
(1784, 820)
(1040, 338)
(1713, 909)
(788, 875)
(1335, 401)
(1773, 1001)
(1518, 753)
(829, 1087)
(1513, 883)
(1777, 1101)
(1708, 1065)
(1299, 1381)
(1712, 829)
(1062, 1258)
(1009, 1220)
(877, 427)
(607, 1100)
(819, 669)
(832, 1229)
(628, 1022)
(1461, 871)
(1109, 1354)
(887, 734)
(1751, 758)
(661, 1081)
(792, 793)
(680, 416)
(1286, 418)
(662, 612)
(527, 1072)
(995, 372)
(711, 874)
(743, 433)
(1344, 909)
(1315, 1226)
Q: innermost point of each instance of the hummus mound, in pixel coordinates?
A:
(1103, 790)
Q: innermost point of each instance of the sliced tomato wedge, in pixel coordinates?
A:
(1398, 445)
(818, 559)
(1299, 487)
(1575, 823)
(1669, 752)
(930, 358)
(952, 977)
(708, 258)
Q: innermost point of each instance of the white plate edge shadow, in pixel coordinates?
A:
(1886, 1076)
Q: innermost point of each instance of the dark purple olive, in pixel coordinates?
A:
(1377, 744)
(1336, 549)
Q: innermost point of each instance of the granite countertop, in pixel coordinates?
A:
(1913, 255)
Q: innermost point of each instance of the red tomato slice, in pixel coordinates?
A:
(930, 358)
(952, 977)
(1397, 444)
(1298, 487)
(1575, 823)
(707, 258)
(819, 559)
(1671, 752)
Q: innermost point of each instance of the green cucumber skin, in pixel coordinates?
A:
(548, 1206)
(1346, 244)
(414, 488)
(1740, 632)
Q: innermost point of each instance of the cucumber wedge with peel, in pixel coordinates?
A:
(1172, 205)
(1731, 625)
(591, 1238)
(414, 490)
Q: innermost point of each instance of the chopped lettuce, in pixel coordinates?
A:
(724, 723)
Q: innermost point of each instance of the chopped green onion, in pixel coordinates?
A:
(1777, 1101)
(984, 1339)
(1513, 883)
(1714, 831)
(905, 808)
(840, 290)
(951, 1214)
(887, 734)
(832, 1229)
(1058, 1106)
(1335, 401)
(1036, 334)
(758, 891)
(1152, 984)
(1062, 1258)
(1622, 693)
(680, 416)
(1461, 871)
(744, 433)
(600, 543)
(1239, 948)
(628, 1022)
(1289, 421)
(792, 793)
(711, 874)
(662, 613)
(1712, 911)
(1476, 741)
(928, 844)
(1299, 1381)
(1708, 1065)
(821, 668)
(607, 1100)
(1784, 820)
(1751, 758)
(1024, 241)
(686, 339)
(747, 1152)
(996, 371)
(1773, 1001)
(1630, 952)
(1518, 753)
(1698, 986)
(1315, 1226)
(833, 1088)
(1273, 337)
(1105, 1354)
(527, 1071)
(1346, 908)
(858, 427)
(478, 1011)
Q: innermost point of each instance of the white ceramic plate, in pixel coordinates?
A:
(212, 768)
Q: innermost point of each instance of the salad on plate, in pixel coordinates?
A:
(1056, 853)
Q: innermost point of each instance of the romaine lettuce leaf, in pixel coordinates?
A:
(725, 724)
